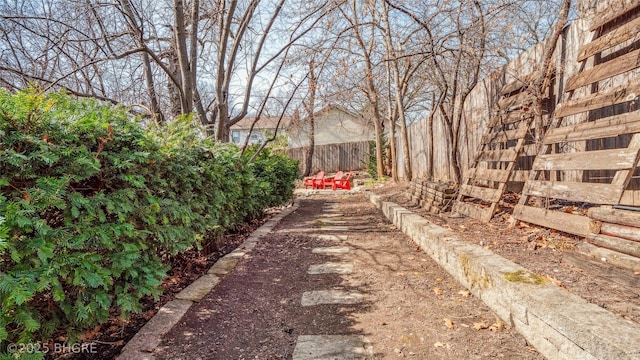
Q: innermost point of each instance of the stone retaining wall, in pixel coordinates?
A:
(560, 325)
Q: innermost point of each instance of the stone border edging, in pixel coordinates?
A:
(560, 325)
(142, 345)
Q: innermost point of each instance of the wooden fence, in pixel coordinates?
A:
(334, 157)
(481, 103)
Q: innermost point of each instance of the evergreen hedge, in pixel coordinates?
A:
(91, 203)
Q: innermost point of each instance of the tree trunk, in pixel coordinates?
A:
(183, 58)
(146, 63)
(173, 88)
(391, 114)
(310, 107)
(391, 52)
(371, 91)
(222, 96)
(392, 144)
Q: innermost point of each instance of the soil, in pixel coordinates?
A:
(412, 307)
(109, 338)
(546, 252)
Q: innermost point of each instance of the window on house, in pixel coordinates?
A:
(256, 136)
(235, 136)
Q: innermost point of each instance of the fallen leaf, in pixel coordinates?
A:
(437, 290)
(448, 323)
(497, 326)
(439, 279)
(90, 334)
(438, 344)
(481, 325)
(464, 293)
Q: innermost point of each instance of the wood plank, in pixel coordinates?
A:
(529, 149)
(471, 210)
(594, 267)
(623, 177)
(608, 97)
(615, 216)
(519, 176)
(631, 233)
(595, 193)
(614, 159)
(518, 83)
(605, 122)
(610, 256)
(486, 194)
(612, 14)
(519, 100)
(500, 175)
(569, 223)
(510, 117)
(497, 155)
(625, 32)
(596, 133)
(504, 135)
(616, 244)
(627, 199)
(606, 70)
(628, 123)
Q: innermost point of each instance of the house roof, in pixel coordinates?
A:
(263, 123)
(331, 107)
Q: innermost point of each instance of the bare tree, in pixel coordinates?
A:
(456, 56)
(366, 52)
(310, 107)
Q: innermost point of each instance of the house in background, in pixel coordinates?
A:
(342, 140)
(262, 130)
(333, 125)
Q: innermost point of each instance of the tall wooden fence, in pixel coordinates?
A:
(334, 157)
(481, 104)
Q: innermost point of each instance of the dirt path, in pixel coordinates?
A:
(335, 278)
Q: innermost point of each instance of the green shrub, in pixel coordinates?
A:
(275, 173)
(90, 204)
(73, 176)
(371, 162)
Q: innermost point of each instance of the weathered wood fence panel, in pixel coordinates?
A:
(333, 157)
(480, 104)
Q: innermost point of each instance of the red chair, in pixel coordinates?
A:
(316, 182)
(328, 181)
(342, 183)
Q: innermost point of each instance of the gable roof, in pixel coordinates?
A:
(331, 107)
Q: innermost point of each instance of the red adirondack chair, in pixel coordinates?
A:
(342, 183)
(316, 182)
(328, 181)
